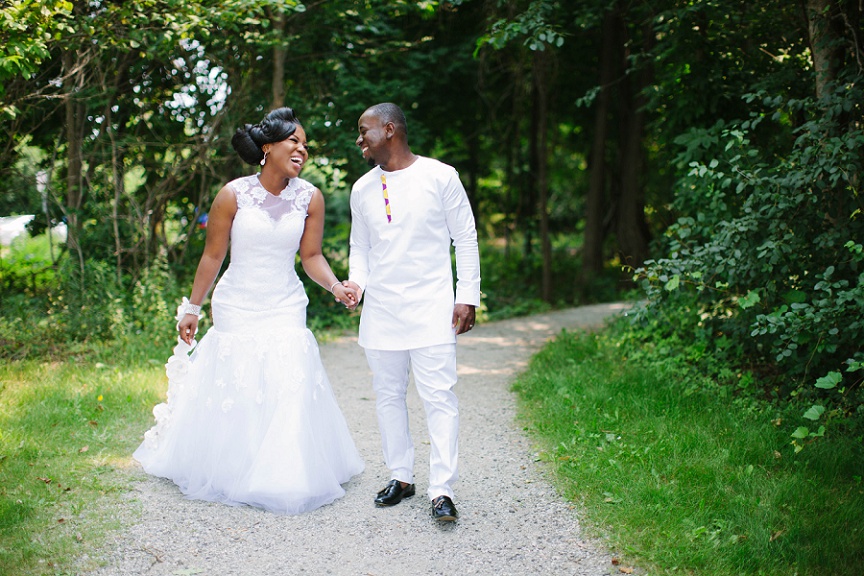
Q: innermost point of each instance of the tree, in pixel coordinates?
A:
(534, 29)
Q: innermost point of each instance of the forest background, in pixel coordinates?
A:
(702, 157)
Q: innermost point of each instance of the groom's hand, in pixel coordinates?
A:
(344, 295)
(356, 291)
(463, 318)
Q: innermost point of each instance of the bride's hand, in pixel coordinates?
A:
(187, 327)
(345, 295)
(356, 293)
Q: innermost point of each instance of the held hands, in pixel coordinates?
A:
(347, 293)
(353, 294)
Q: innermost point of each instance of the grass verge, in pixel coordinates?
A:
(67, 430)
(686, 479)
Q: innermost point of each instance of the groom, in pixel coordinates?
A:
(405, 213)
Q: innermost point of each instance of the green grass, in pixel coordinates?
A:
(66, 432)
(685, 479)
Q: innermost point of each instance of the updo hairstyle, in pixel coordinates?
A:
(276, 126)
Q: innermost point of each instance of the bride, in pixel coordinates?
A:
(250, 417)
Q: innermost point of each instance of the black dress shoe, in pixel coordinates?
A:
(393, 493)
(443, 509)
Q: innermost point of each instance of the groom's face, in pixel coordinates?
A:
(373, 139)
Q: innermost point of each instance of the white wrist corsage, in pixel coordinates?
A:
(187, 307)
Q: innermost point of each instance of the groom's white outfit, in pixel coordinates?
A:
(404, 267)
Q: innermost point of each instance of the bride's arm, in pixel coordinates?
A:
(219, 221)
(314, 263)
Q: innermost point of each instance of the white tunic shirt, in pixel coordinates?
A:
(404, 265)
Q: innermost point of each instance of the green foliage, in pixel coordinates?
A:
(27, 28)
(25, 267)
(324, 314)
(153, 305)
(63, 311)
(766, 271)
(704, 60)
(21, 195)
(685, 475)
(534, 27)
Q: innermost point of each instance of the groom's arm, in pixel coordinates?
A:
(358, 256)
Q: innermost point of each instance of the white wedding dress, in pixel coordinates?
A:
(250, 417)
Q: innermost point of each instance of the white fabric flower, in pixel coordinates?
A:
(151, 439)
(176, 368)
(162, 412)
(239, 376)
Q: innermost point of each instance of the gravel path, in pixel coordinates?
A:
(512, 520)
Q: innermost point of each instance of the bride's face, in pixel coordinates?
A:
(290, 155)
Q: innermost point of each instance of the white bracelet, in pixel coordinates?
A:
(187, 307)
(334, 285)
(192, 309)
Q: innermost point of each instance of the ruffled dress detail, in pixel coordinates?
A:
(250, 416)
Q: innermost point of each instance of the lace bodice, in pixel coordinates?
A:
(265, 237)
(267, 228)
(293, 199)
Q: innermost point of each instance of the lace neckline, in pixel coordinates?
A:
(291, 187)
(294, 198)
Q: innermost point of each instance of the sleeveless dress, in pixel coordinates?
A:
(250, 417)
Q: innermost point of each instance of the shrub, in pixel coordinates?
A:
(769, 273)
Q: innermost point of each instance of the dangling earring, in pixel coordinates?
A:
(264, 159)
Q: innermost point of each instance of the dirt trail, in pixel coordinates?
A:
(512, 520)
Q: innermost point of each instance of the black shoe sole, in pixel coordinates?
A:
(382, 505)
(385, 505)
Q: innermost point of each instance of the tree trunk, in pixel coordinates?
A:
(73, 79)
(473, 174)
(118, 174)
(519, 194)
(823, 45)
(528, 195)
(631, 228)
(280, 51)
(539, 160)
(595, 205)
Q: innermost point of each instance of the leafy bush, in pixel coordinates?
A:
(769, 273)
(74, 308)
(25, 267)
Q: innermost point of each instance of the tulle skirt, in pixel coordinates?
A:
(251, 420)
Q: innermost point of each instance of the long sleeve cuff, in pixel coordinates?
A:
(469, 295)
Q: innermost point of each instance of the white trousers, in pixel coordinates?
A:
(434, 370)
